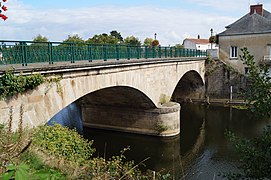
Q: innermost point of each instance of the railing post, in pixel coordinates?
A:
(50, 48)
(90, 53)
(128, 52)
(159, 52)
(153, 51)
(105, 52)
(24, 53)
(146, 52)
(171, 52)
(175, 52)
(138, 49)
(72, 53)
(118, 51)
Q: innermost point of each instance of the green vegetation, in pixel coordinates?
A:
(160, 127)
(11, 84)
(258, 93)
(148, 42)
(74, 39)
(56, 152)
(63, 143)
(255, 154)
(40, 38)
(132, 40)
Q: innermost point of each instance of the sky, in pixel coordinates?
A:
(171, 20)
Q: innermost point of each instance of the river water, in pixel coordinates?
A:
(201, 151)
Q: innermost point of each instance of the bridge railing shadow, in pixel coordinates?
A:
(27, 52)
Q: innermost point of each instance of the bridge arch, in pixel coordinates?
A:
(189, 87)
(118, 96)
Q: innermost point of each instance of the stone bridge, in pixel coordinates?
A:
(125, 95)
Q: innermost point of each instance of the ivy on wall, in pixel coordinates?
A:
(11, 84)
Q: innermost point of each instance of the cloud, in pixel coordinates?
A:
(171, 25)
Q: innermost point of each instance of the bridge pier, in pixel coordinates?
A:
(162, 121)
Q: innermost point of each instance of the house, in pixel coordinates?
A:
(253, 31)
(198, 44)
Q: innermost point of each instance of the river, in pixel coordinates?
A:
(201, 151)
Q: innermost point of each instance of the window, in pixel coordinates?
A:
(233, 52)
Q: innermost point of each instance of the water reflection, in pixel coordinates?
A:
(201, 151)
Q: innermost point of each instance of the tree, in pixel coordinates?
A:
(40, 38)
(155, 43)
(74, 39)
(255, 154)
(148, 41)
(103, 39)
(258, 93)
(132, 40)
(39, 41)
(117, 35)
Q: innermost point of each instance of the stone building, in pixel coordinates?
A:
(252, 31)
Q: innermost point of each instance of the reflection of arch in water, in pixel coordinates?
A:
(191, 155)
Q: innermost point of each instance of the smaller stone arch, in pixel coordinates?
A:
(190, 86)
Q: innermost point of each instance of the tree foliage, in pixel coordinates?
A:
(40, 38)
(103, 39)
(74, 39)
(258, 93)
(155, 43)
(132, 40)
(117, 35)
(255, 156)
(148, 41)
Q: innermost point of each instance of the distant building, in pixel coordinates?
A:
(252, 31)
(198, 44)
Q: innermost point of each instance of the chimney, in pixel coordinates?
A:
(256, 9)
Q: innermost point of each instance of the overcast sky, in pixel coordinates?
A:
(172, 20)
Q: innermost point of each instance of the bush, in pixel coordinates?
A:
(64, 143)
(255, 155)
(11, 84)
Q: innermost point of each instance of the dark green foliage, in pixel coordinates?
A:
(11, 84)
(17, 172)
(132, 40)
(74, 39)
(40, 38)
(64, 143)
(255, 155)
(258, 93)
(103, 39)
(117, 35)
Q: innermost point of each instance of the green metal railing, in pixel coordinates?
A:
(25, 52)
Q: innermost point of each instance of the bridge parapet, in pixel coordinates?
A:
(28, 52)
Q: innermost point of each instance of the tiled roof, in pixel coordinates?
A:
(250, 24)
(199, 41)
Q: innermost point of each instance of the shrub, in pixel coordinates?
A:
(255, 155)
(11, 84)
(63, 143)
